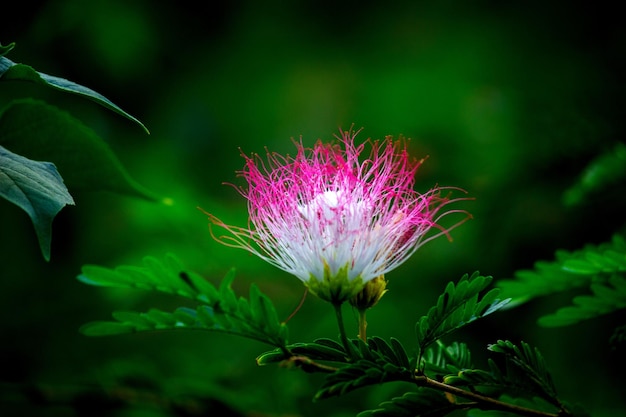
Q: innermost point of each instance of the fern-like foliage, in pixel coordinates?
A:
(529, 361)
(523, 374)
(458, 306)
(424, 402)
(329, 350)
(378, 362)
(167, 276)
(219, 309)
(605, 298)
(303, 354)
(519, 384)
(440, 360)
(600, 268)
(606, 170)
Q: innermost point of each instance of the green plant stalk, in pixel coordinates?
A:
(483, 402)
(362, 325)
(342, 330)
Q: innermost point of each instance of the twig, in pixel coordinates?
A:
(487, 402)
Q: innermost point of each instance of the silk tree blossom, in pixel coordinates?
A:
(334, 218)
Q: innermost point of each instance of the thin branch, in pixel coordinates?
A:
(308, 365)
(484, 402)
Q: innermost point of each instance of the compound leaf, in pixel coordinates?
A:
(531, 364)
(422, 403)
(201, 318)
(379, 362)
(605, 298)
(600, 268)
(523, 374)
(361, 373)
(168, 276)
(318, 350)
(442, 360)
(569, 270)
(458, 306)
(606, 170)
(219, 309)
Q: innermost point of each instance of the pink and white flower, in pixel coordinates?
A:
(334, 218)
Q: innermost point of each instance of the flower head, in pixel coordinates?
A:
(335, 218)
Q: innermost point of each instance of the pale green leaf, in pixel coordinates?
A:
(39, 131)
(11, 71)
(37, 188)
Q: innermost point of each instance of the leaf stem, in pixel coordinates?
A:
(484, 402)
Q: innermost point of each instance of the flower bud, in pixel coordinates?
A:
(370, 294)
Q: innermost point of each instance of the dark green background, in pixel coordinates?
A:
(510, 102)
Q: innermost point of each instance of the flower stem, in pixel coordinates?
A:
(362, 325)
(342, 330)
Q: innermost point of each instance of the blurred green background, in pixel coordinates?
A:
(510, 102)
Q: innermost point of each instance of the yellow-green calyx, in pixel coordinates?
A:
(335, 287)
(370, 294)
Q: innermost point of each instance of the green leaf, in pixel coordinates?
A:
(531, 364)
(262, 310)
(547, 278)
(569, 270)
(184, 318)
(361, 373)
(580, 266)
(401, 356)
(380, 362)
(228, 298)
(35, 187)
(523, 374)
(168, 276)
(494, 379)
(40, 131)
(318, 350)
(422, 403)
(441, 359)
(458, 306)
(392, 352)
(604, 171)
(11, 71)
(105, 328)
(601, 268)
(219, 310)
(605, 298)
(6, 48)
